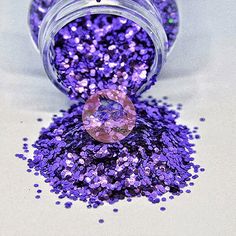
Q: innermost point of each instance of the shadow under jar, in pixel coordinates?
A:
(90, 45)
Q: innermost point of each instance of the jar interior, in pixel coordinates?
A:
(101, 51)
(79, 61)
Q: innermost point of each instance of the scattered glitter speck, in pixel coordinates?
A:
(162, 208)
(101, 221)
(202, 119)
(163, 199)
(68, 205)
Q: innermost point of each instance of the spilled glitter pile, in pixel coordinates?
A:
(154, 160)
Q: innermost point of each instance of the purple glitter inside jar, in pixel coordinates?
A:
(104, 51)
(98, 52)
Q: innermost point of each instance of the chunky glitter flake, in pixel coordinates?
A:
(115, 210)
(109, 116)
(101, 221)
(154, 160)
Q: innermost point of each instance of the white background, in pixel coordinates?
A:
(200, 73)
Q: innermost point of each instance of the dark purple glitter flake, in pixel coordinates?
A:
(101, 221)
(68, 205)
(115, 210)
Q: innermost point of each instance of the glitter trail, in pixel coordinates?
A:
(154, 160)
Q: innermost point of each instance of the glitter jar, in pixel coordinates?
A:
(158, 18)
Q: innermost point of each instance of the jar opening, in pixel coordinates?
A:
(143, 13)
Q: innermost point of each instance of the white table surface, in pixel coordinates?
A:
(200, 73)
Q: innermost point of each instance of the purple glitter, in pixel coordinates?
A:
(36, 185)
(155, 159)
(102, 52)
(57, 202)
(115, 210)
(109, 116)
(163, 199)
(38, 11)
(68, 205)
(170, 18)
(162, 208)
(202, 119)
(101, 221)
(37, 197)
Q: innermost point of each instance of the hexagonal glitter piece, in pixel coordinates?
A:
(109, 116)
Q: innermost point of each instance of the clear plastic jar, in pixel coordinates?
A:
(158, 18)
